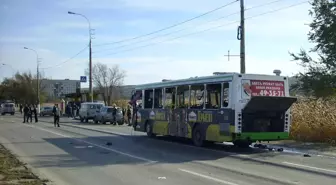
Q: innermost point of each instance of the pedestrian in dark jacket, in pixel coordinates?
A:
(21, 108)
(129, 116)
(30, 112)
(25, 113)
(35, 113)
(114, 114)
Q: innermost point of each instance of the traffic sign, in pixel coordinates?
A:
(83, 79)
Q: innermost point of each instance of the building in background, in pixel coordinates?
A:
(56, 89)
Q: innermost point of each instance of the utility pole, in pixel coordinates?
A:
(37, 78)
(90, 52)
(90, 68)
(38, 85)
(242, 37)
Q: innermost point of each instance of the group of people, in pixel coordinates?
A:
(72, 110)
(28, 111)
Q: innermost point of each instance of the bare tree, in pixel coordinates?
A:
(107, 80)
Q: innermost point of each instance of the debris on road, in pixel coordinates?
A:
(306, 155)
(162, 178)
(108, 143)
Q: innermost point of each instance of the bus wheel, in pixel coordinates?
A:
(149, 130)
(197, 137)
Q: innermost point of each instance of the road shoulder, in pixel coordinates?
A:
(14, 171)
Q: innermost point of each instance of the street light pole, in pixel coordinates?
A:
(37, 78)
(90, 53)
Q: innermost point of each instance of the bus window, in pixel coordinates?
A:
(213, 96)
(225, 99)
(148, 99)
(182, 96)
(158, 98)
(170, 97)
(196, 96)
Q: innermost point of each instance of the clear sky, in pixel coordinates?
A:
(45, 26)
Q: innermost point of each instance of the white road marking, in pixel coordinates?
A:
(310, 167)
(208, 177)
(93, 144)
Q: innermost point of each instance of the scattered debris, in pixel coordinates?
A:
(257, 145)
(162, 178)
(280, 149)
(90, 146)
(108, 143)
(306, 155)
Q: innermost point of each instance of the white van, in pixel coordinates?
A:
(88, 110)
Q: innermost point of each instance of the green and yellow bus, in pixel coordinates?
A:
(227, 107)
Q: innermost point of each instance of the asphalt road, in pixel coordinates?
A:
(83, 154)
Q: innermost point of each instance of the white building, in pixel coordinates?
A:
(59, 88)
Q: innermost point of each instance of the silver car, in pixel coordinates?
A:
(7, 108)
(46, 111)
(105, 115)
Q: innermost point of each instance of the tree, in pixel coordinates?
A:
(319, 78)
(107, 80)
(22, 88)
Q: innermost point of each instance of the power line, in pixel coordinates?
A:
(172, 26)
(81, 51)
(205, 30)
(177, 31)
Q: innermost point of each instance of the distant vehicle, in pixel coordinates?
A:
(105, 115)
(7, 108)
(46, 111)
(89, 110)
(231, 107)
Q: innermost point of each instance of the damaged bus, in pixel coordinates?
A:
(225, 107)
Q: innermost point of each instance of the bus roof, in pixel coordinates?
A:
(188, 81)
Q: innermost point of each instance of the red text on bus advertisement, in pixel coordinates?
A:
(264, 88)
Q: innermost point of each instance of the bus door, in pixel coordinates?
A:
(181, 122)
(172, 125)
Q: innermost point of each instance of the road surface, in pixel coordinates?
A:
(89, 154)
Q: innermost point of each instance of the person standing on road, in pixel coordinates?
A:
(35, 113)
(129, 116)
(25, 113)
(57, 113)
(114, 114)
(21, 108)
(30, 112)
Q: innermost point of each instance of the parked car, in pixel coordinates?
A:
(105, 115)
(46, 111)
(89, 110)
(7, 108)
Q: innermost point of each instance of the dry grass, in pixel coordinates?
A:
(314, 121)
(14, 172)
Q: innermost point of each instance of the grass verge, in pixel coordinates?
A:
(314, 121)
(14, 172)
